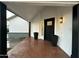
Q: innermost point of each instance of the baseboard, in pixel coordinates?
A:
(64, 51)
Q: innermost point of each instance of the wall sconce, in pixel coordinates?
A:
(61, 19)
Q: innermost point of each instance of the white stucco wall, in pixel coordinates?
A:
(64, 30)
(17, 25)
(46, 13)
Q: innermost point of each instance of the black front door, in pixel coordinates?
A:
(49, 25)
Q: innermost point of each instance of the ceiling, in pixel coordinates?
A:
(28, 10)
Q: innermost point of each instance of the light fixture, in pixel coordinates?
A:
(61, 19)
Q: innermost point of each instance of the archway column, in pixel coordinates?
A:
(75, 32)
(29, 29)
(3, 31)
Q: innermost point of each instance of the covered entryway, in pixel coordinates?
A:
(36, 13)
